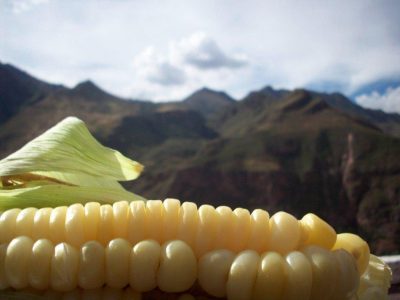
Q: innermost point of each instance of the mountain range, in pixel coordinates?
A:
(293, 150)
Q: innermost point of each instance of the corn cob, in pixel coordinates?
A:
(279, 256)
(203, 229)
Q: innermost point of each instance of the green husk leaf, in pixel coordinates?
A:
(65, 165)
(81, 179)
(52, 195)
(68, 147)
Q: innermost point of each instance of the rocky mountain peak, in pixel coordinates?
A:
(208, 101)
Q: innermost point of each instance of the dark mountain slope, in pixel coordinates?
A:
(389, 123)
(101, 111)
(149, 130)
(208, 102)
(298, 155)
(18, 89)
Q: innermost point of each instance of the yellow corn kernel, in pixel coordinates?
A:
(137, 219)
(144, 262)
(57, 224)
(347, 280)
(91, 265)
(241, 230)
(271, 277)
(259, 231)
(242, 275)
(356, 246)
(206, 231)
(155, 215)
(225, 229)
(8, 225)
(178, 267)
(188, 223)
(41, 224)
(92, 216)
(284, 232)
(299, 277)
(105, 231)
(171, 218)
(324, 272)
(120, 219)
(317, 232)
(64, 268)
(17, 261)
(40, 264)
(74, 225)
(117, 269)
(213, 271)
(24, 222)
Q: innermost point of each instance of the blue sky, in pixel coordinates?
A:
(163, 50)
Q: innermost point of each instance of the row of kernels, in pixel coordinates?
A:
(314, 273)
(24, 263)
(204, 229)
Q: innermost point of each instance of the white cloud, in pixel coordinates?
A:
(188, 64)
(20, 6)
(156, 69)
(167, 74)
(388, 101)
(203, 52)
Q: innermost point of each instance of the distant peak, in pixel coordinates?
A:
(89, 87)
(207, 92)
(205, 89)
(272, 92)
(267, 88)
(91, 90)
(87, 84)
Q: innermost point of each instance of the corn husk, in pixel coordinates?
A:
(65, 165)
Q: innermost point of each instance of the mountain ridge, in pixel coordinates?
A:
(196, 100)
(277, 150)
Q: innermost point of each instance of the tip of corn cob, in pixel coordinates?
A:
(375, 281)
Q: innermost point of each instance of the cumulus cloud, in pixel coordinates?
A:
(156, 68)
(167, 74)
(203, 52)
(388, 101)
(189, 63)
